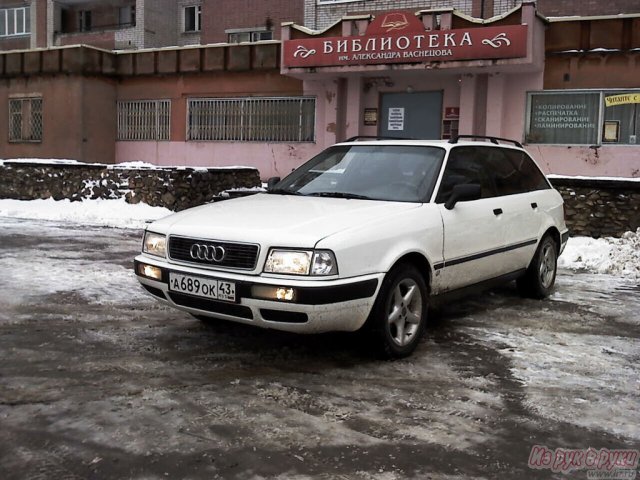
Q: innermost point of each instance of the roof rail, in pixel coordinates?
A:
(485, 137)
(373, 137)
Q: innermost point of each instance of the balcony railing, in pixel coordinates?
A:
(97, 28)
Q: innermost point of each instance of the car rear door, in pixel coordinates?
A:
(522, 186)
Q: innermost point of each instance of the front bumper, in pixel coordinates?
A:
(318, 305)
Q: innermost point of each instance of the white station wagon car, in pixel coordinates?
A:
(364, 235)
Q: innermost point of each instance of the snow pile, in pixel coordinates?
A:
(43, 161)
(554, 176)
(136, 165)
(617, 256)
(133, 165)
(108, 213)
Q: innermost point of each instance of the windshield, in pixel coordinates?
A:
(373, 172)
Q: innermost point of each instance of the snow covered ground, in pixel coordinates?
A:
(94, 368)
(107, 213)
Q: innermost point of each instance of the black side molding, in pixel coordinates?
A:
(451, 295)
(477, 256)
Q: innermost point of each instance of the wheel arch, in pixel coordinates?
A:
(418, 260)
(554, 233)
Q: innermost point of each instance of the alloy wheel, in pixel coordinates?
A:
(404, 312)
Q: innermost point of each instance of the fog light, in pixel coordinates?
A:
(285, 294)
(150, 271)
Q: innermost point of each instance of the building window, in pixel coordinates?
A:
(249, 36)
(84, 19)
(144, 120)
(259, 119)
(127, 16)
(25, 119)
(621, 117)
(15, 21)
(588, 117)
(566, 118)
(192, 17)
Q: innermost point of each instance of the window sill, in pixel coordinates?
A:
(17, 35)
(333, 2)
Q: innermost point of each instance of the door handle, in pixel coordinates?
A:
(534, 205)
(497, 211)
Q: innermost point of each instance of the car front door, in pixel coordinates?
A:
(473, 230)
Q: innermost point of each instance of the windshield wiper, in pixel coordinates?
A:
(283, 191)
(340, 195)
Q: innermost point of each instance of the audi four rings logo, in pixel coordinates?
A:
(210, 253)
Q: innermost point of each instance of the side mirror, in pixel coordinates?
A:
(463, 193)
(272, 183)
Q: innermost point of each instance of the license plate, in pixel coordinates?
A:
(203, 287)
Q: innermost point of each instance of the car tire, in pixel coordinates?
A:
(540, 277)
(399, 315)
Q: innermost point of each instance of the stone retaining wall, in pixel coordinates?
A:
(600, 208)
(174, 188)
(593, 208)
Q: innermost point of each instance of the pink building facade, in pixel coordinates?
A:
(424, 84)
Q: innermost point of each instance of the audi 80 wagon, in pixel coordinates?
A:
(363, 236)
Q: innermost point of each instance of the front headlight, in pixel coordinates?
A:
(154, 244)
(301, 262)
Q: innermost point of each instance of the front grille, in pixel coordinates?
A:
(212, 306)
(242, 256)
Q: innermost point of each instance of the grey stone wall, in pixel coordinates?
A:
(600, 208)
(174, 188)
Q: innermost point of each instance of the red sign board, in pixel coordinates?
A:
(401, 38)
(452, 113)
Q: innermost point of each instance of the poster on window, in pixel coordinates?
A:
(564, 118)
(621, 117)
(396, 119)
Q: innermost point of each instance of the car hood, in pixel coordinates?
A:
(277, 220)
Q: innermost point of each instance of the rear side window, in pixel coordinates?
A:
(498, 171)
(467, 165)
(515, 172)
(533, 178)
